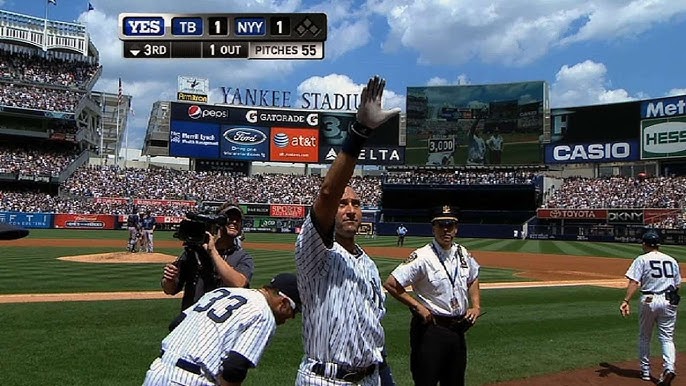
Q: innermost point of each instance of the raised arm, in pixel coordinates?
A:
(370, 115)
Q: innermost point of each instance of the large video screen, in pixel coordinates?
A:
(592, 134)
(476, 124)
(252, 134)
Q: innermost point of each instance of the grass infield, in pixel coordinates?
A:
(525, 332)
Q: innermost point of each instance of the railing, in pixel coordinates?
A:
(44, 34)
(78, 162)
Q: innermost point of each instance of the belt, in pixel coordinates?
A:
(186, 365)
(345, 374)
(653, 293)
(447, 321)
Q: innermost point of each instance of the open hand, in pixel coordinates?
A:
(370, 113)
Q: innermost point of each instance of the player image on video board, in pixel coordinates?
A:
(476, 124)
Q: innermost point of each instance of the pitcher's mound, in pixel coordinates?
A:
(121, 257)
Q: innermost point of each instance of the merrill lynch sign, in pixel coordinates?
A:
(283, 99)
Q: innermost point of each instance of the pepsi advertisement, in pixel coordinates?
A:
(242, 142)
(193, 140)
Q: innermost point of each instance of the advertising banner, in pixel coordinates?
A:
(595, 134)
(160, 219)
(111, 200)
(193, 139)
(289, 211)
(294, 145)
(651, 216)
(256, 209)
(157, 202)
(392, 155)
(85, 221)
(664, 107)
(27, 220)
(241, 167)
(249, 143)
(556, 153)
(573, 214)
(625, 216)
(491, 124)
(663, 138)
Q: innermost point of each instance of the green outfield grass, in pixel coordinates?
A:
(524, 333)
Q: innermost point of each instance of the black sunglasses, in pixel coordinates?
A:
(445, 223)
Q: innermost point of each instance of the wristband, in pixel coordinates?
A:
(625, 301)
(356, 137)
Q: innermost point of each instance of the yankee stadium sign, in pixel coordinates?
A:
(283, 99)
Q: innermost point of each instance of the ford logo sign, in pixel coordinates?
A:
(244, 136)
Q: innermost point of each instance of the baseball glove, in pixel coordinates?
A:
(673, 297)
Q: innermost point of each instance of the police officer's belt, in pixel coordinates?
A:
(185, 365)
(345, 374)
(447, 321)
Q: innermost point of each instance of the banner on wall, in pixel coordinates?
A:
(85, 221)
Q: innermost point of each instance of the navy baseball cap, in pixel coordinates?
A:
(651, 238)
(445, 212)
(287, 283)
(10, 232)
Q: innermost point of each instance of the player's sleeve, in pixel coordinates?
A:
(253, 341)
(312, 247)
(677, 276)
(635, 271)
(410, 271)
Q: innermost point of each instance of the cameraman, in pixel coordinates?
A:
(221, 262)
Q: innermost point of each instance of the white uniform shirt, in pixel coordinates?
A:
(223, 320)
(495, 143)
(342, 302)
(655, 271)
(431, 282)
(477, 149)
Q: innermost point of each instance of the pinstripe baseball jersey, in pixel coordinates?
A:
(223, 320)
(342, 301)
(655, 271)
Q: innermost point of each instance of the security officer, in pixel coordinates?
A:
(445, 277)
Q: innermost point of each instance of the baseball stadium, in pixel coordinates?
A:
(554, 213)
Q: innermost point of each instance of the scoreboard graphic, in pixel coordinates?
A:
(229, 36)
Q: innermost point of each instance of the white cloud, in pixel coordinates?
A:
(461, 80)
(342, 84)
(512, 32)
(676, 91)
(585, 83)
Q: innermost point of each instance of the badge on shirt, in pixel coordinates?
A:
(410, 259)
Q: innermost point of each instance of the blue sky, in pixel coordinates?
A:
(589, 51)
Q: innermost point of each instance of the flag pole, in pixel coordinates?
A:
(116, 155)
(45, 26)
(102, 128)
(126, 140)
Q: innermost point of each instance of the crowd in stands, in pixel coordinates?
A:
(27, 97)
(35, 160)
(619, 192)
(90, 183)
(460, 177)
(27, 68)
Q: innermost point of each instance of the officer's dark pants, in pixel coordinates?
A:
(437, 355)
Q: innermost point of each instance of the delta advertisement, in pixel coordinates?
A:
(477, 124)
(663, 128)
(250, 134)
(594, 134)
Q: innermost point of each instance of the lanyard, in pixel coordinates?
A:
(451, 278)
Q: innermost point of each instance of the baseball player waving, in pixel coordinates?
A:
(343, 302)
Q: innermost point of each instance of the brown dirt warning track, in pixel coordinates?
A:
(549, 270)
